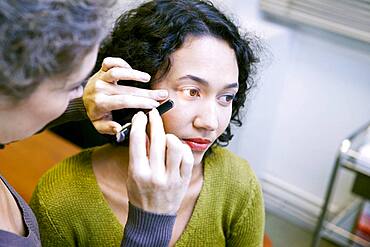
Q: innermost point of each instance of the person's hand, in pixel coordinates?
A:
(102, 94)
(160, 166)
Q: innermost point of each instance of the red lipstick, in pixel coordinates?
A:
(197, 144)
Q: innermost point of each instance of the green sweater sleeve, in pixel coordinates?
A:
(249, 229)
(71, 209)
(50, 235)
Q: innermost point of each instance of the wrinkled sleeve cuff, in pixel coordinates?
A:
(147, 229)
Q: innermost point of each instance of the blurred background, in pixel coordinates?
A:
(313, 92)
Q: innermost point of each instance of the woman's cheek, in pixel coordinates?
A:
(224, 119)
(178, 117)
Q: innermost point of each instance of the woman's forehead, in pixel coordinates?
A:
(208, 58)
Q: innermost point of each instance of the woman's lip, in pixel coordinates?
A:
(197, 144)
(198, 140)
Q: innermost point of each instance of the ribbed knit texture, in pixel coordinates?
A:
(72, 211)
(157, 228)
(75, 112)
(32, 239)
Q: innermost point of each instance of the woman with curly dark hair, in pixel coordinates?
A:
(196, 53)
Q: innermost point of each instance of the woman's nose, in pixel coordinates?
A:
(206, 117)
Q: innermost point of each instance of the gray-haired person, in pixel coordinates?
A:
(47, 49)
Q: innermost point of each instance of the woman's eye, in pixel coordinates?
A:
(227, 98)
(76, 92)
(75, 88)
(191, 92)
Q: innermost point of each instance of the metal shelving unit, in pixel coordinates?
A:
(350, 157)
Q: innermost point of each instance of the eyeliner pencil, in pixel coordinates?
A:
(125, 132)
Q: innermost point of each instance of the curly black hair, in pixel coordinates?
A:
(146, 37)
(44, 39)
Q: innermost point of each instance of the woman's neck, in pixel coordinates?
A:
(110, 163)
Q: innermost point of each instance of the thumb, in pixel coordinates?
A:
(107, 126)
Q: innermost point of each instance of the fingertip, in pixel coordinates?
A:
(110, 62)
(139, 115)
(139, 122)
(154, 104)
(162, 94)
(145, 77)
(117, 128)
(105, 64)
(104, 127)
(153, 113)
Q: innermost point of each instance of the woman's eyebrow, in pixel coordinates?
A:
(206, 83)
(195, 78)
(232, 85)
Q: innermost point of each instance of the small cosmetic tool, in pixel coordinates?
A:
(125, 132)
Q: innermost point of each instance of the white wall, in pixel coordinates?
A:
(315, 92)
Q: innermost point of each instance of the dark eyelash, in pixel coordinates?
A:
(76, 87)
(231, 97)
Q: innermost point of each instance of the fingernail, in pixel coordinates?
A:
(140, 113)
(163, 94)
(145, 77)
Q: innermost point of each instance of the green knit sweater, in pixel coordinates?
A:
(71, 209)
